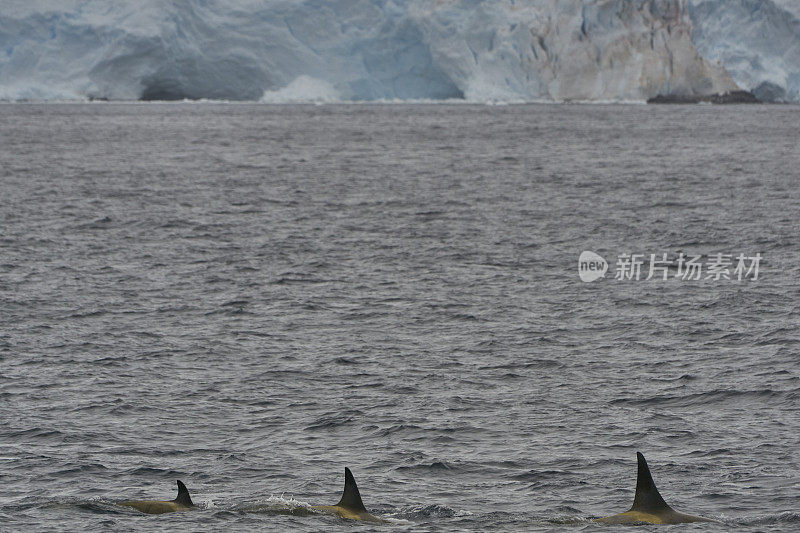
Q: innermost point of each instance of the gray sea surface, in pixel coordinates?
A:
(250, 298)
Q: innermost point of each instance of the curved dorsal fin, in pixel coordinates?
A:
(351, 499)
(647, 498)
(183, 495)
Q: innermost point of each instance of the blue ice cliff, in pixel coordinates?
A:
(478, 50)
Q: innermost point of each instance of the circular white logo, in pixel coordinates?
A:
(591, 267)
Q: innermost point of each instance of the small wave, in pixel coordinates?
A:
(428, 511)
(436, 465)
(155, 472)
(278, 505)
(100, 223)
(176, 223)
(701, 398)
(709, 453)
(235, 303)
(683, 377)
(567, 520)
(35, 433)
(80, 470)
(539, 475)
(397, 428)
(346, 361)
(87, 314)
(786, 517)
(284, 280)
(333, 421)
(529, 363)
(238, 311)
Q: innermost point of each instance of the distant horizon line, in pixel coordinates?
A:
(400, 102)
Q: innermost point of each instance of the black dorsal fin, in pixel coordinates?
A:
(351, 499)
(647, 498)
(183, 495)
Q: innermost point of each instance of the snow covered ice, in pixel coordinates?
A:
(340, 50)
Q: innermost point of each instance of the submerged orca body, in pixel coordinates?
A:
(350, 505)
(181, 503)
(648, 505)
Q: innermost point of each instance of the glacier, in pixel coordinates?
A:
(365, 50)
(758, 42)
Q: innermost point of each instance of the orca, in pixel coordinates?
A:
(182, 503)
(350, 505)
(648, 505)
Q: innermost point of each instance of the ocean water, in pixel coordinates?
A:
(250, 298)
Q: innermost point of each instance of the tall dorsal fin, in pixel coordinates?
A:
(183, 495)
(351, 499)
(647, 498)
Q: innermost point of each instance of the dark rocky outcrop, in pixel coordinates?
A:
(733, 97)
(673, 99)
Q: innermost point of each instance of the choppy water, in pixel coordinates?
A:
(250, 298)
